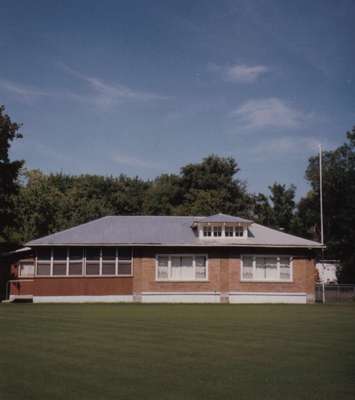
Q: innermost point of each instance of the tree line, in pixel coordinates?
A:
(34, 204)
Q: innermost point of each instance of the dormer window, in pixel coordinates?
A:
(222, 226)
(229, 231)
(239, 231)
(207, 231)
(217, 231)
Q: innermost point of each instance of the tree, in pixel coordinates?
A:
(262, 211)
(9, 173)
(283, 206)
(211, 186)
(164, 195)
(339, 205)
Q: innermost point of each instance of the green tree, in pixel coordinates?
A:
(339, 205)
(262, 211)
(283, 206)
(9, 173)
(211, 186)
(164, 195)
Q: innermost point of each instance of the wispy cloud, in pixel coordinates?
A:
(269, 112)
(22, 91)
(105, 94)
(286, 145)
(240, 73)
(133, 161)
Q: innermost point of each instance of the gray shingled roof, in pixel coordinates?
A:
(222, 218)
(163, 231)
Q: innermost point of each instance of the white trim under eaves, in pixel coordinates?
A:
(275, 246)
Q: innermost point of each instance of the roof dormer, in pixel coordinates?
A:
(221, 226)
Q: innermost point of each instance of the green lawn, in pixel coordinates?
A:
(144, 352)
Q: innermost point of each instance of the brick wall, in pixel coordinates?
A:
(224, 272)
(223, 276)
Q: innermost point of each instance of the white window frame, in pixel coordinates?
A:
(254, 256)
(50, 261)
(211, 227)
(217, 231)
(83, 262)
(24, 262)
(59, 261)
(118, 261)
(207, 229)
(169, 267)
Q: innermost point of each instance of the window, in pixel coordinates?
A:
(247, 268)
(266, 268)
(27, 269)
(207, 231)
(108, 261)
(93, 261)
(201, 271)
(44, 261)
(163, 268)
(75, 261)
(285, 268)
(217, 231)
(239, 231)
(181, 267)
(229, 231)
(59, 261)
(124, 266)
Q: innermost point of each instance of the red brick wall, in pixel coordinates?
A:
(223, 276)
(223, 272)
(85, 286)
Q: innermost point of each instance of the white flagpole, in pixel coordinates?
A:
(321, 194)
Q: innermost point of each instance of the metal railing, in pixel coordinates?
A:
(335, 293)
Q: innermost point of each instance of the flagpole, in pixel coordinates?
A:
(321, 193)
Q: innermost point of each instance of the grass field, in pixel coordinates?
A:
(177, 351)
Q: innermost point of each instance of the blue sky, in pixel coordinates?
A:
(142, 88)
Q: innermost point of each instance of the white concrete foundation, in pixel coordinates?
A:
(181, 297)
(267, 297)
(84, 299)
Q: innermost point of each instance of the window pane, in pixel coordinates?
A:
(271, 268)
(186, 268)
(44, 253)
(163, 267)
(75, 268)
(207, 231)
(285, 269)
(109, 268)
(109, 253)
(182, 268)
(93, 253)
(75, 253)
(239, 231)
(200, 262)
(124, 269)
(43, 269)
(27, 269)
(124, 253)
(229, 230)
(247, 267)
(217, 231)
(176, 268)
(93, 269)
(59, 253)
(260, 268)
(59, 268)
